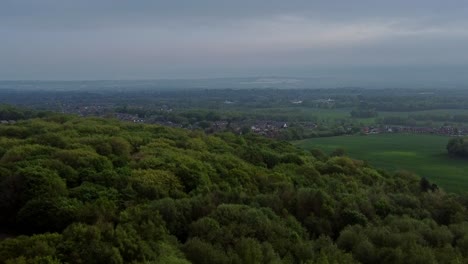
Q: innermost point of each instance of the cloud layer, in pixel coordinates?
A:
(103, 39)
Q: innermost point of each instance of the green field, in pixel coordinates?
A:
(324, 115)
(422, 154)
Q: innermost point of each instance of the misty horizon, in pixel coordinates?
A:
(360, 43)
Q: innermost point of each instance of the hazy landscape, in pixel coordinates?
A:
(233, 132)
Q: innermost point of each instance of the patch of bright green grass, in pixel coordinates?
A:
(423, 154)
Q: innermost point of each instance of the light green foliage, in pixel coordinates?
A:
(131, 193)
(42, 245)
(155, 184)
(26, 152)
(40, 182)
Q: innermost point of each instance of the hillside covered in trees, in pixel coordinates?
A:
(88, 190)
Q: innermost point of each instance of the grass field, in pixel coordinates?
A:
(324, 115)
(422, 154)
(433, 112)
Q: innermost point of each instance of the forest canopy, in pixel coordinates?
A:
(90, 190)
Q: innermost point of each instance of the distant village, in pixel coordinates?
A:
(268, 128)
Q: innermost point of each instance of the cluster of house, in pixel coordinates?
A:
(268, 128)
(6, 122)
(444, 130)
(129, 117)
(165, 108)
(220, 125)
(168, 123)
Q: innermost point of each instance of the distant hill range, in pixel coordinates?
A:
(163, 84)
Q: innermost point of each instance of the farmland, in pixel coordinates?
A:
(422, 154)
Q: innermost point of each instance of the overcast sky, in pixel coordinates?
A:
(134, 39)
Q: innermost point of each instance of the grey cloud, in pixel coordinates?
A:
(56, 39)
(108, 13)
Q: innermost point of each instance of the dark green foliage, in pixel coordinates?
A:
(47, 214)
(128, 193)
(458, 147)
(8, 112)
(338, 152)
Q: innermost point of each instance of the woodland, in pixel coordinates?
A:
(94, 190)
